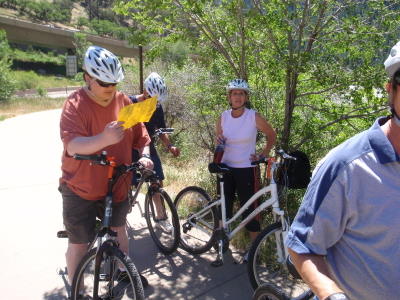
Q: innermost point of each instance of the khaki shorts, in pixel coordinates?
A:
(80, 215)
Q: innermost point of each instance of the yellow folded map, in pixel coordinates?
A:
(137, 112)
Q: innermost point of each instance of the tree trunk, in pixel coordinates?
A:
(291, 85)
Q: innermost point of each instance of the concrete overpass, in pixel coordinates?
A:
(24, 32)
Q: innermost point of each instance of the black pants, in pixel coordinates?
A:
(245, 182)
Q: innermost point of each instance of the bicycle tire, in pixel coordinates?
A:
(196, 237)
(113, 284)
(166, 239)
(269, 292)
(265, 266)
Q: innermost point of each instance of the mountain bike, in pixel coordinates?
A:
(199, 218)
(162, 220)
(268, 291)
(160, 213)
(105, 272)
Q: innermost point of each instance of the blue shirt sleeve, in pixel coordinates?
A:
(133, 99)
(322, 216)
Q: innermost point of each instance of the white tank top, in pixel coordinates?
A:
(240, 134)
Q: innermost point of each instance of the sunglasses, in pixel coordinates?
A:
(105, 84)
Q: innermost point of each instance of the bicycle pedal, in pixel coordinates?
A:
(62, 234)
(217, 263)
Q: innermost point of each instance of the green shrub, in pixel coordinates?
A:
(78, 77)
(5, 50)
(82, 21)
(81, 44)
(108, 28)
(58, 10)
(7, 84)
(41, 92)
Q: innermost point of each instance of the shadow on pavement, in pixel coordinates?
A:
(177, 276)
(184, 276)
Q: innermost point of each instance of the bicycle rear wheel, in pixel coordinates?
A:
(162, 221)
(266, 266)
(197, 230)
(118, 277)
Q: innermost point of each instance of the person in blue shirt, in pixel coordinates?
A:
(344, 241)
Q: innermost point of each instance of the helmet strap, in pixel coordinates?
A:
(237, 108)
(396, 117)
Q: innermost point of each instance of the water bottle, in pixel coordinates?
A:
(218, 153)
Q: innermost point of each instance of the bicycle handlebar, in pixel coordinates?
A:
(98, 159)
(260, 161)
(284, 155)
(105, 160)
(280, 152)
(159, 131)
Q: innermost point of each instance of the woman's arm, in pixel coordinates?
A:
(219, 137)
(269, 133)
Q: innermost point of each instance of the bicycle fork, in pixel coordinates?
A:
(280, 236)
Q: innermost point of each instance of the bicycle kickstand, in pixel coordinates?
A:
(219, 261)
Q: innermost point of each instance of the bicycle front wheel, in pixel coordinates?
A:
(267, 262)
(269, 292)
(198, 222)
(162, 221)
(117, 277)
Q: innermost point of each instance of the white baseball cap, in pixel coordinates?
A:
(392, 63)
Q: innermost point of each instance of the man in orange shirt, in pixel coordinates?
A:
(88, 125)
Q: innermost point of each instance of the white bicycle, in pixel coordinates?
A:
(199, 218)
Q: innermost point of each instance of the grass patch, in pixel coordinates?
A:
(31, 80)
(180, 173)
(19, 106)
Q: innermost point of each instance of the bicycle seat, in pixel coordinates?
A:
(217, 168)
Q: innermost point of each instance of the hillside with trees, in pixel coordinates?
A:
(315, 67)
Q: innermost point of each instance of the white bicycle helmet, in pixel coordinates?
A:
(103, 65)
(155, 86)
(238, 84)
(392, 63)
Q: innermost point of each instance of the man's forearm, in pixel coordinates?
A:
(314, 271)
(86, 145)
(165, 139)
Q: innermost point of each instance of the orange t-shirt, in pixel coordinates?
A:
(81, 116)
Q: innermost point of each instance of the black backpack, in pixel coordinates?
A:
(298, 172)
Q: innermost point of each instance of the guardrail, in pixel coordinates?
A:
(34, 92)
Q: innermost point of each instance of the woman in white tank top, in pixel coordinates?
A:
(237, 128)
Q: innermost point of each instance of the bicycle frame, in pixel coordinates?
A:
(142, 179)
(105, 233)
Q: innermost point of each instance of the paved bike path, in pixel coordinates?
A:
(33, 263)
